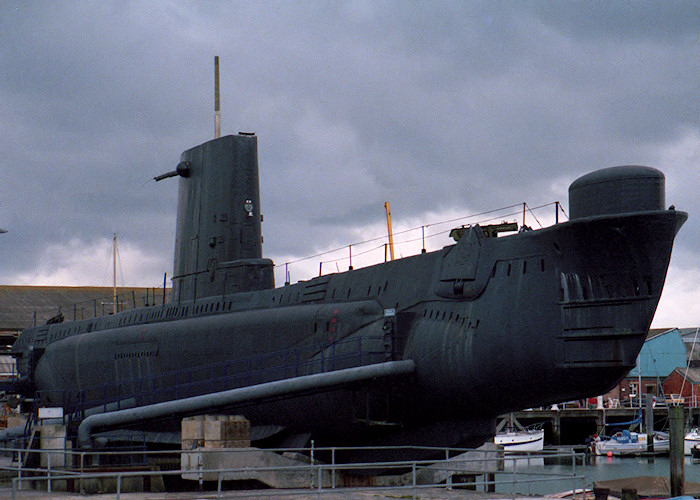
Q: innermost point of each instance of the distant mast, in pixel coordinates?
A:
(114, 263)
(217, 105)
(391, 231)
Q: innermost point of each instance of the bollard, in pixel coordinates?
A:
(601, 493)
(677, 463)
(629, 494)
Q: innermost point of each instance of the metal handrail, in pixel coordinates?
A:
(517, 478)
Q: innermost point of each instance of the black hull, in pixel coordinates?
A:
(488, 325)
(559, 314)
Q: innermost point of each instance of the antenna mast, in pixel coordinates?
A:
(217, 105)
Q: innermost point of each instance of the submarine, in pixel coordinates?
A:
(423, 350)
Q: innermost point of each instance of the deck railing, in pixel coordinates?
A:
(487, 470)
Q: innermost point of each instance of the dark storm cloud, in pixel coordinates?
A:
(436, 107)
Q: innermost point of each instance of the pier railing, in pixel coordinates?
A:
(481, 469)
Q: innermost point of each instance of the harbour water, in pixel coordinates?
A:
(593, 468)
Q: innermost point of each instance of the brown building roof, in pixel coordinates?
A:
(692, 375)
(23, 306)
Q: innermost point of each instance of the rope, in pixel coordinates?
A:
(689, 359)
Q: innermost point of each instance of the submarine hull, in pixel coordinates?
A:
(576, 319)
(484, 326)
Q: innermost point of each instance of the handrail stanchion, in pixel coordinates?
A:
(19, 468)
(48, 470)
(333, 469)
(82, 465)
(218, 485)
(448, 476)
(413, 479)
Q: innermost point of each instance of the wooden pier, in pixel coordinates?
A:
(571, 426)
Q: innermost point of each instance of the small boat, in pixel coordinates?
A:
(629, 443)
(692, 439)
(528, 439)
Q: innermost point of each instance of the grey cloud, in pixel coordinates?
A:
(432, 106)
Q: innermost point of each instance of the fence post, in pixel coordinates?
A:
(333, 469)
(413, 479)
(448, 472)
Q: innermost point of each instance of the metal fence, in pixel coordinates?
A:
(509, 475)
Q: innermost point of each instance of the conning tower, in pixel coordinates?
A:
(218, 242)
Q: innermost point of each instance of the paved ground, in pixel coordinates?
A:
(341, 493)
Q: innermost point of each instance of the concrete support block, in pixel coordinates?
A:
(52, 437)
(248, 462)
(192, 432)
(215, 431)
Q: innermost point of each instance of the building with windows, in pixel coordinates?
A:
(664, 350)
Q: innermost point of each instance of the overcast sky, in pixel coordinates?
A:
(445, 109)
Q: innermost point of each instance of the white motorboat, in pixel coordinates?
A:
(692, 439)
(529, 439)
(629, 443)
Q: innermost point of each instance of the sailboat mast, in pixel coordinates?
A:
(217, 104)
(114, 260)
